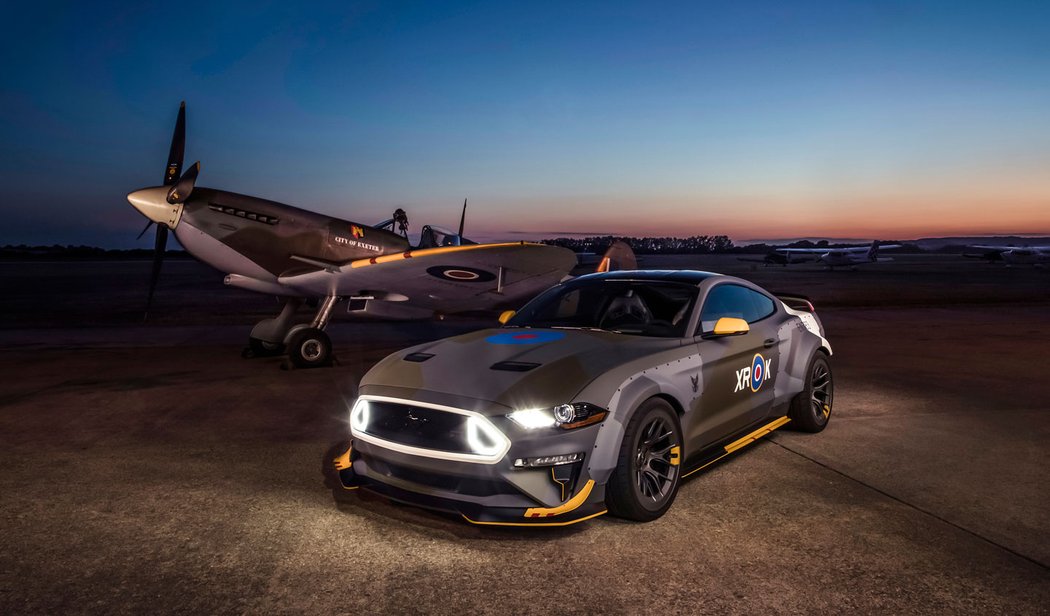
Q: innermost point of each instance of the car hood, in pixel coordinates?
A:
(514, 367)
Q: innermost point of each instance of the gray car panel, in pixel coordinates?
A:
(700, 376)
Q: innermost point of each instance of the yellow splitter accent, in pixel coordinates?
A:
(567, 506)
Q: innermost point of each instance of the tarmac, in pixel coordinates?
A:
(147, 467)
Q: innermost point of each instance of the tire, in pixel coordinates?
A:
(810, 410)
(645, 482)
(310, 348)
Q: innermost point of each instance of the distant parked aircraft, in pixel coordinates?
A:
(843, 257)
(775, 258)
(1011, 255)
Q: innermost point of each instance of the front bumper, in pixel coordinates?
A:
(490, 494)
(475, 513)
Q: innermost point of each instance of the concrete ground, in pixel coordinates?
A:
(149, 467)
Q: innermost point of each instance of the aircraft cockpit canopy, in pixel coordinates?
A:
(435, 237)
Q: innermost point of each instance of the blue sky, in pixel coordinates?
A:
(754, 119)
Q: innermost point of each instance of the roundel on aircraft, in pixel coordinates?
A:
(458, 273)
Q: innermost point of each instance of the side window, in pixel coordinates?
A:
(761, 306)
(731, 300)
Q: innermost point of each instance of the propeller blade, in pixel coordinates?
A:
(159, 246)
(462, 218)
(144, 229)
(184, 187)
(178, 148)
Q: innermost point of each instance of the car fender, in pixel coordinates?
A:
(798, 344)
(672, 379)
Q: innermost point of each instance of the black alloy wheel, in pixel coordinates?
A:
(647, 474)
(810, 410)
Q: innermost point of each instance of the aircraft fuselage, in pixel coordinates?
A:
(240, 234)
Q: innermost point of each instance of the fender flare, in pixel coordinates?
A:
(625, 401)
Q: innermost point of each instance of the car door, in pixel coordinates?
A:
(737, 370)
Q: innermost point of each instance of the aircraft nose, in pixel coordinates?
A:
(153, 204)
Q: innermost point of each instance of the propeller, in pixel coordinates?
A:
(462, 218)
(173, 179)
(184, 187)
(144, 229)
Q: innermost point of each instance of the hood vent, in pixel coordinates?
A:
(514, 366)
(418, 357)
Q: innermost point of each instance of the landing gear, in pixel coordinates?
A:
(268, 336)
(309, 346)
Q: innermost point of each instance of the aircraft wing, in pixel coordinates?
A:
(852, 250)
(445, 279)
(1006, 248)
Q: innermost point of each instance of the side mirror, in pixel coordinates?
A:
(730, 326)
(507, 315)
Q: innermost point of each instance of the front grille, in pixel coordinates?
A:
(418, 426)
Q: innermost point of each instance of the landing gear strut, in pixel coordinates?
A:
(309, 346)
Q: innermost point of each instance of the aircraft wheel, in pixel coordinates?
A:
(310, 348)
(262, 348)
(811, 409)
(645, 481)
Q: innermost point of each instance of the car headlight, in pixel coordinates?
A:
(483, 437)
(359, 416)
(564, 416)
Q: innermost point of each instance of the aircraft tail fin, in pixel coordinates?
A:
(873, 252)
(619, 256)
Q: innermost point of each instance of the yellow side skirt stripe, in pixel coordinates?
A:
(743, 442)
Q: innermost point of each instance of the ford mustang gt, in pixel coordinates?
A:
(600, 395)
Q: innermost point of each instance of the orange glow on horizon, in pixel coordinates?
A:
(905, 217)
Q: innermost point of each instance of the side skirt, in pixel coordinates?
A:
(742, 439)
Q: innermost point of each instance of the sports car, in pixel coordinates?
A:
(600, 395)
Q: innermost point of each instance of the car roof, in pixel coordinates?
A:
(685, 276)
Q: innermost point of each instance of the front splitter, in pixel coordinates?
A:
(592, 507)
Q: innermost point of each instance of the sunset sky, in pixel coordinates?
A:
(751, 119)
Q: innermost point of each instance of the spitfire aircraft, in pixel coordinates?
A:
(1037, 256)
(302, 256)
(842, 257)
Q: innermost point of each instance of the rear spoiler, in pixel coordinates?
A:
(796, 301)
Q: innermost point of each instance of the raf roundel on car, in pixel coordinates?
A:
(599, 396)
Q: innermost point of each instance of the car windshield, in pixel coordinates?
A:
(638, 307)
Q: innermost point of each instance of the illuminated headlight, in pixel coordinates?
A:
(564, 416)
(483, 438)
(359, 416)
(533, 418)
